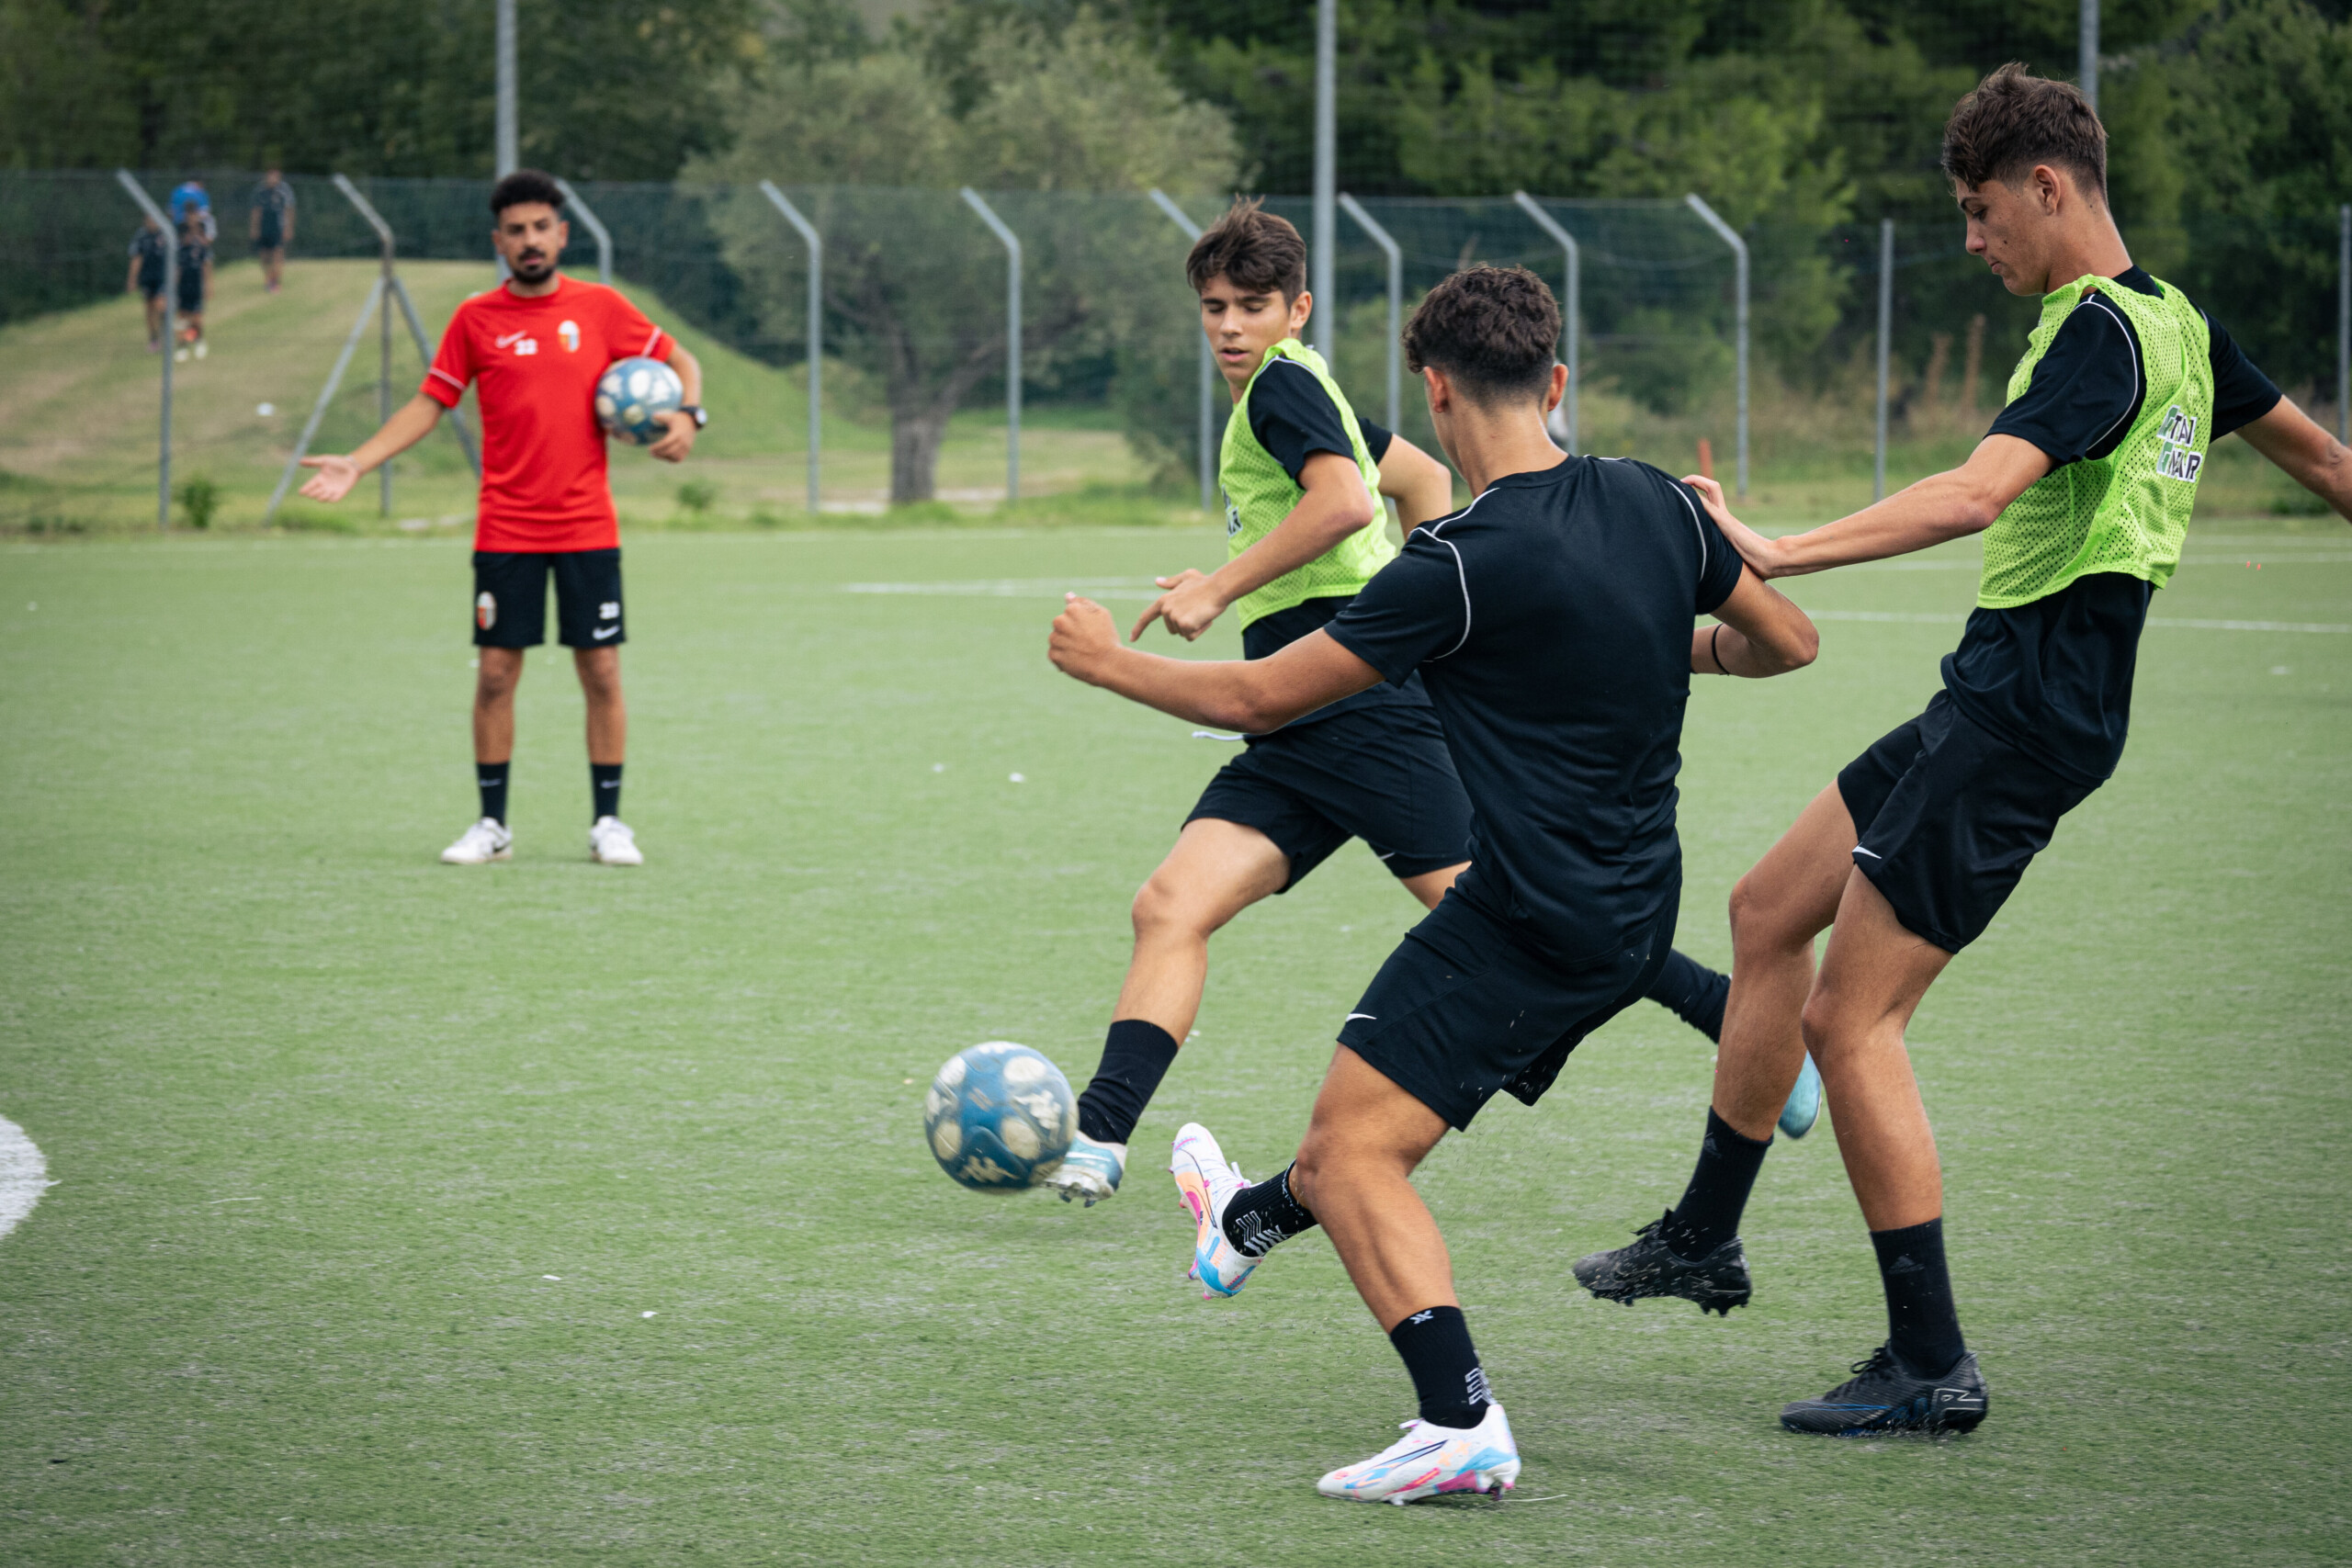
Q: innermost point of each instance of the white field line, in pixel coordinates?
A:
(24, 1175)
(1017, 588)
(1908, 618)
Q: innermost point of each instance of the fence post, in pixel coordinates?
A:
(504, 132)
(1323, 329)
(384, 360)
(1740, 251)
(1395, 255)
(604, 241)
(326, 396)
(2343, 327)
(809, 237)
(424, 354)
(171, 341)
(1011, 243)
(2087, 53)
(1886, 332)
(1208, 366)
(1570, 305)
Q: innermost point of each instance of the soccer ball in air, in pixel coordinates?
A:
(632, 395)
(998, 1117)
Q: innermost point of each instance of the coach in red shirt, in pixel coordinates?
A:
(535, 347)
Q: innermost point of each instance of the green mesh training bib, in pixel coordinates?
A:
(2127, 512)
(1258, 493)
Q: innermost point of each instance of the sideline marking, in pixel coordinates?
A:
(1903, 617)
(24, 1175)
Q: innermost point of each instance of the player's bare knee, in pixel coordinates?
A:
(1163, 909)
(1760, 915)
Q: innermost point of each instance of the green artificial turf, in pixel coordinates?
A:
(324, 1114)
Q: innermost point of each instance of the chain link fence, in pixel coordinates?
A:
(914, 406)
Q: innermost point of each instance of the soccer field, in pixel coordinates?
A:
(549, 1213)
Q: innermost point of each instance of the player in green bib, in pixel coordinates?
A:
(2082, 490)
(1304, 532)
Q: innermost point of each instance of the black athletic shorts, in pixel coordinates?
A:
(1382, 775)
(270, 238)
(1462, 1009)
(1946, 817)
(511, 598)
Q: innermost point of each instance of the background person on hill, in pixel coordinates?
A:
(534, 347)
(271, 224)
(149, 249)
(195, 285)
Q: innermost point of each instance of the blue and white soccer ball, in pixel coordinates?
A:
(998, 1117)
(631, 396)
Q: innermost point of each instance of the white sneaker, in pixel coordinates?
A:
(1430, 1460)
(1207, 1184)
(487, 840)
(610, 842)
(1091, 1170)
(199, 348)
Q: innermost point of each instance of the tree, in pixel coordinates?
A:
(914, 285)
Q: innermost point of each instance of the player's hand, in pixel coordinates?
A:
(1085, 638)
(1760, 553)
(674, 448)
(334, 479)
(1190, 606)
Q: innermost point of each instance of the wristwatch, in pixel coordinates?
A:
(696, 413)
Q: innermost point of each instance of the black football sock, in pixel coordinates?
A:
(1922, 1325)
(605, 786)
(1262, 1215)
(1435, 1344)
(1135, 1058)
(492, 779)
(1693, 993)
(1708, 1215)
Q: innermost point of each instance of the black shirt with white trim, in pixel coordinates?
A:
(1550, 621)
(2053, 678)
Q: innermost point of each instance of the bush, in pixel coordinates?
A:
(200, 498)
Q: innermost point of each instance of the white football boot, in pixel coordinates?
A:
(1091, 1170)
(1207, 1183)
(1431, 1460)
(610, 842)
(487, 840)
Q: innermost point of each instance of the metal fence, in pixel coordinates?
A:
(897, 317)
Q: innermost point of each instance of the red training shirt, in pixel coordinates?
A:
(542, 486)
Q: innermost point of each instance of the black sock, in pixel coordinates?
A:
(1693, 993)
(1708, 1215)
(1135, 1056)
(492, 779)
(605, 788)
(1922, 1325)
(1262, 1215)
(1435, 1343)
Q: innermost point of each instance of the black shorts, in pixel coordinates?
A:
(1382, 775)
(511, 598)
(1462, 1009)
(192, 298)
(270, 239)
(1946, 817)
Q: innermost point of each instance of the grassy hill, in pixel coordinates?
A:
(78, 410)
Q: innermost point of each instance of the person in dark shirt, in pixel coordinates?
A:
(195, 285)
(271, 224)
(2082, 490)
(1304, 534)
(1549, 626)
(149, 249)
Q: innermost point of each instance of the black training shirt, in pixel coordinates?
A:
(1549, 620)
(2053, 678)
(1293, 418)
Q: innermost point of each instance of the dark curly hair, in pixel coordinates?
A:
(1492, 329)
(2014, 120)
(523, 185)
(1257, 252)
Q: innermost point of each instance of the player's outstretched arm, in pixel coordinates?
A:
(1950, 505)
(1336, 504)
(1759, 632)
(1253, 696)
(2312, 457)
(1421, 487)
(411, 423)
